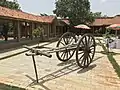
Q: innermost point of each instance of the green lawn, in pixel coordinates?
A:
(111, 58)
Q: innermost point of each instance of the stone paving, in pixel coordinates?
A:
(57, 75)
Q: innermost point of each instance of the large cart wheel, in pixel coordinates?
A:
(66, 39)
(85, 50)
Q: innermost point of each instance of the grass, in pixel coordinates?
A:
(111, 59)
(114, 64)
(9, 87)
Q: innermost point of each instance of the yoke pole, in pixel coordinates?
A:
(35, 68)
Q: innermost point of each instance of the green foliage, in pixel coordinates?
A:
(43, 14)
(114, 63)
(98, 14)
(10, 4)
(78, 11)
(10, 25)
(111, 59)
(98, 31)
(37, 32)
(107, 34)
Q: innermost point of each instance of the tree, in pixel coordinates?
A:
(78, 11)
(10, 4)
(98, 14)
(43, 14)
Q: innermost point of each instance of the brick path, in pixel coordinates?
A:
(56, 75)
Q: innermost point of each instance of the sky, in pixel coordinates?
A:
(107, 7)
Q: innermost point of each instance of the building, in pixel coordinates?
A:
(99, 25)
(24, 23)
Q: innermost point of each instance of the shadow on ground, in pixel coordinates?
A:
(70, 66)
(8, 87)
(90, 67)
(87, 69)
(72, 61)
(30, 44)
(20, 52)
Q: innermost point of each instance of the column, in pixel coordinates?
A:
(18, 31)
(26, 32)
(14, 30)
(55, 29)
(48, 31)
(30, 31)
(32, 28)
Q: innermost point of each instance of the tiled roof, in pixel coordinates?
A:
(66, 21)
(102, 21)
(6, 12)
(116, 20)
(106, 21)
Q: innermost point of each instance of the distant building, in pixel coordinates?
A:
(100, 24)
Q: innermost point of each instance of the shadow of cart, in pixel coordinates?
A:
(69, 68)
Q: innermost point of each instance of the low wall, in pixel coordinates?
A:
(14, 44)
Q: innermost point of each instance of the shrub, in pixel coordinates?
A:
(36, 32)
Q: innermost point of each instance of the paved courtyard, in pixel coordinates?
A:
(56, 75)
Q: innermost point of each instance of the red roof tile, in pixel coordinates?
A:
(66, 21)
(106, 21)
(102, 21)
(116, 19)
(6, 12)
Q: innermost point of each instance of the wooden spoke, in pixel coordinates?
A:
(82, 56)
(83, 43)
(85, 62)
(62, 54)
(66, 39)
(92, 46)
(82, 60)
(89, 40)
(87, 45)
(69, 53)
(71, 40)
(81, 52)
(86, 41)
(62, 43)
(90, 57)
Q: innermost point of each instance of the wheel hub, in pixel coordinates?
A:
(87, 50)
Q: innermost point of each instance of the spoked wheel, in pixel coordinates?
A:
(66, 39)
(85, 50)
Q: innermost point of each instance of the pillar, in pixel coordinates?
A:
(31, 29)
(26, 32)
(48, 31)
(14, 30)
(18, 31)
